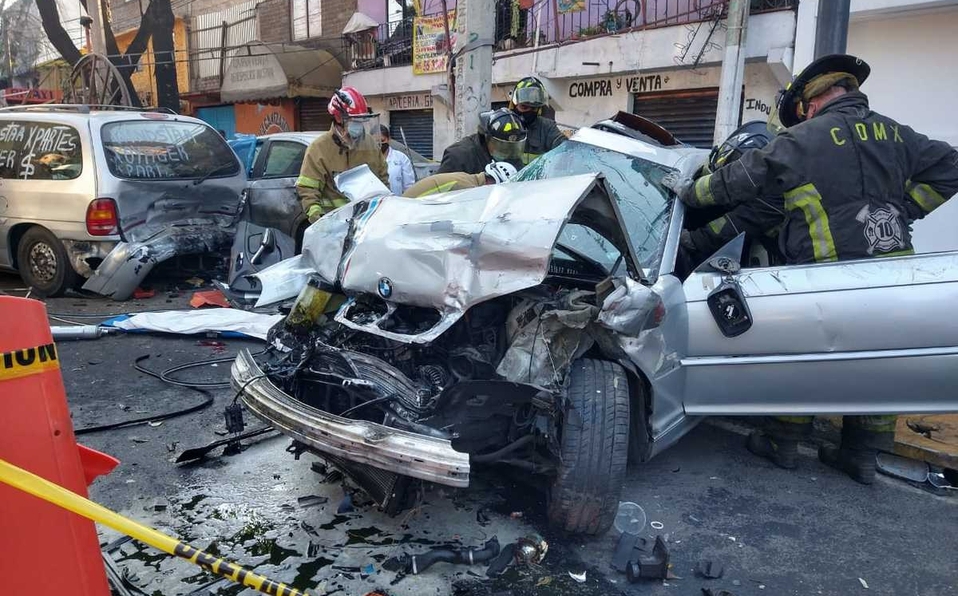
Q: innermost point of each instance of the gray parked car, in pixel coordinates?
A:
(106, 194)
(554, 325)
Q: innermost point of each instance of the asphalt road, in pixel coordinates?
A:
(812, 531)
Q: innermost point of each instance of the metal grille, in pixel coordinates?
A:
(417, 126)
(313, 115)
(689, 115)
(206, 37)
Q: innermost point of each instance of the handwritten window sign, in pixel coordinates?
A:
(39, 151)
(429, 44)
(166, 150)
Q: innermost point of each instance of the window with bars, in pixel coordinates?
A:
(306, 19)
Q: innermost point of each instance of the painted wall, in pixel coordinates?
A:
(266, 118)
(910, 82)
(143, 79)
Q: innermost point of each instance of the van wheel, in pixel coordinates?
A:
(594, 448)
(43, 263)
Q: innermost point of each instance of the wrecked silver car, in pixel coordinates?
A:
(553, 325)
(107, 193)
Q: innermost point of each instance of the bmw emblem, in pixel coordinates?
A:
(385, 287)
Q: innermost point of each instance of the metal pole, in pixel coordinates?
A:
(96, 33)
(476, 23)
(831, 33)
(733, 72)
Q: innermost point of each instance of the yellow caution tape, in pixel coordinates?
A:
(46, 490)
(23, 363)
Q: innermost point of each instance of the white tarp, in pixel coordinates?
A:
(188, 322)
(359, 22)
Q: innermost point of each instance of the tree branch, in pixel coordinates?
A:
(50, 18)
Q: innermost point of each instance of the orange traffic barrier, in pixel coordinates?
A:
(44, 550)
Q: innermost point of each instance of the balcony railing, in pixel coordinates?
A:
(519, 21)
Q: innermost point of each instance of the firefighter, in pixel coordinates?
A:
(500, 137)
(496, 172)
(852, 181)
(752, 217)
(352, 141)
(527, 100)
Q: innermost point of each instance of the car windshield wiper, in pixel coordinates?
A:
(215, 170)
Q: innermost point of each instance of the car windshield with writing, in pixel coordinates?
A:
(166, 150)
(637, 188)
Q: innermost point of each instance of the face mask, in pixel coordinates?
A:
(527, 118)
(355, 130)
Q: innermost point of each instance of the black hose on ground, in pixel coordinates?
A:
(416, 564)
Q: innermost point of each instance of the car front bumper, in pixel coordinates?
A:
(394, 450)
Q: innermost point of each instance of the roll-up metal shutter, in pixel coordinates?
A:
(313, 115)
(689, 115)
(417, 126)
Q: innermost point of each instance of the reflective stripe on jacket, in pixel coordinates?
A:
(448, 182)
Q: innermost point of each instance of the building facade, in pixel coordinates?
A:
(664, 62)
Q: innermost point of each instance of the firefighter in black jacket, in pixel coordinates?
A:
(500, 137)
(852, 181)
(527, 100)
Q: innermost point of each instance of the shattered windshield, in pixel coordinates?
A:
(165, 150)
(638, 191)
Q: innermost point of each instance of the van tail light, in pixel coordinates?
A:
(102, 218)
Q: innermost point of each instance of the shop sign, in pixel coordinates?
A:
(416, 101)
(429, 44)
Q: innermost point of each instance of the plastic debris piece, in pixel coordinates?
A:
(311, 501)
(578, 577)
(657, 525)
(630, 518)
(863, 583)
(346, 505)
(155, 424)
(195, 281)
(710, 569)
(209, 298)
(141, 294)
(544, 581)
(367, 571)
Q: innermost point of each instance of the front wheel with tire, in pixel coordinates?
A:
(594, 448)
(43, 263)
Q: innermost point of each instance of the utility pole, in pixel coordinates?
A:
(97, 36)
(831, 32)
(476, 26)
(733, 72)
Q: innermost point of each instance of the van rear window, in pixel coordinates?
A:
(39, 151)
(166, 150)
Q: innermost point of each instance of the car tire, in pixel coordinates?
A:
(43, 263)
(594, 448)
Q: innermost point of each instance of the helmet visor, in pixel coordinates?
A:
(501, 150)
(531, 96)
(361, 132)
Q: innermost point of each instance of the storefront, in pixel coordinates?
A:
(280, 88)
(411, 121)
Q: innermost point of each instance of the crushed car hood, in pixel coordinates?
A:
(449, 252)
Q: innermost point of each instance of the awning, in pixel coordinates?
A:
(260, 71)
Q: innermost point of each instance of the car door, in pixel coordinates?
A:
(852, 337)
(273, 202)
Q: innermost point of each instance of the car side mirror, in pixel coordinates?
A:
(727, 302)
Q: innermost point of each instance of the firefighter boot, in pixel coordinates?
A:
(862, 438)
(779, 444)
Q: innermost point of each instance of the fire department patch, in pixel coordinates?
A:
(883, 230)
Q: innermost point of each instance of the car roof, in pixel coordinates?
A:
(674, 156)
(77, 114)
(304, 137)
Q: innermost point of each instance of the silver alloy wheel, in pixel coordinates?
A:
(43, 262)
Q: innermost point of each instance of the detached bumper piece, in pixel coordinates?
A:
(358, 441)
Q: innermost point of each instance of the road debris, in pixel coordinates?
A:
(416, 564)
(544, 581)
(642, 558)
(657, 525)
(311, 501)
(209, 298)
(710, 569)
(863, 583)
(578, 577)
(630, 518)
